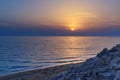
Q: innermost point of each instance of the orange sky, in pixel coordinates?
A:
(77, 14)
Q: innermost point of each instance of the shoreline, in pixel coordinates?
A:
(104, 66)
(31, 69)
(40, 74)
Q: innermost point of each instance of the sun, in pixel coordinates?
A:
(72, 29)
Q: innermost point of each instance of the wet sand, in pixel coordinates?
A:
(39, 74)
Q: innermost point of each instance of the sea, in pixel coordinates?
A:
(23, 53)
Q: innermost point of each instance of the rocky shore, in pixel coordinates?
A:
(105, 66)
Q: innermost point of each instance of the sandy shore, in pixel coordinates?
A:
(105, 66)
(39, 74)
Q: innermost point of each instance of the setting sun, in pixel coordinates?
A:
(72, 29)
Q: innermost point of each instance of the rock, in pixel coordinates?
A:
(105, 66)
(115, 49)
(103, 52)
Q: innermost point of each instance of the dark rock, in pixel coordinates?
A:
(114, 49)
(102, 53)
(105, 66)
(118, 45)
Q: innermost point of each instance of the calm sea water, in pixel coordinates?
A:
(26, 53)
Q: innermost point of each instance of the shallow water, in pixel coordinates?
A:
(25, 53)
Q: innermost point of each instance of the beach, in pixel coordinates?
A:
(59, 39)
(39, 74)
(19, 54)
(105, 66)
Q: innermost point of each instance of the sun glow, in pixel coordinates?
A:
(73, 24)
(70, 18)
(72, 29)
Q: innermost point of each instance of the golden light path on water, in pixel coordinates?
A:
(40, 52)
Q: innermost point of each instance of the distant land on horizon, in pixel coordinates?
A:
(8, 31)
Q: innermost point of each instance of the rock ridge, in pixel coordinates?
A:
(105, 66)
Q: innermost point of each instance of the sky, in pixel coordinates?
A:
(60, 17)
